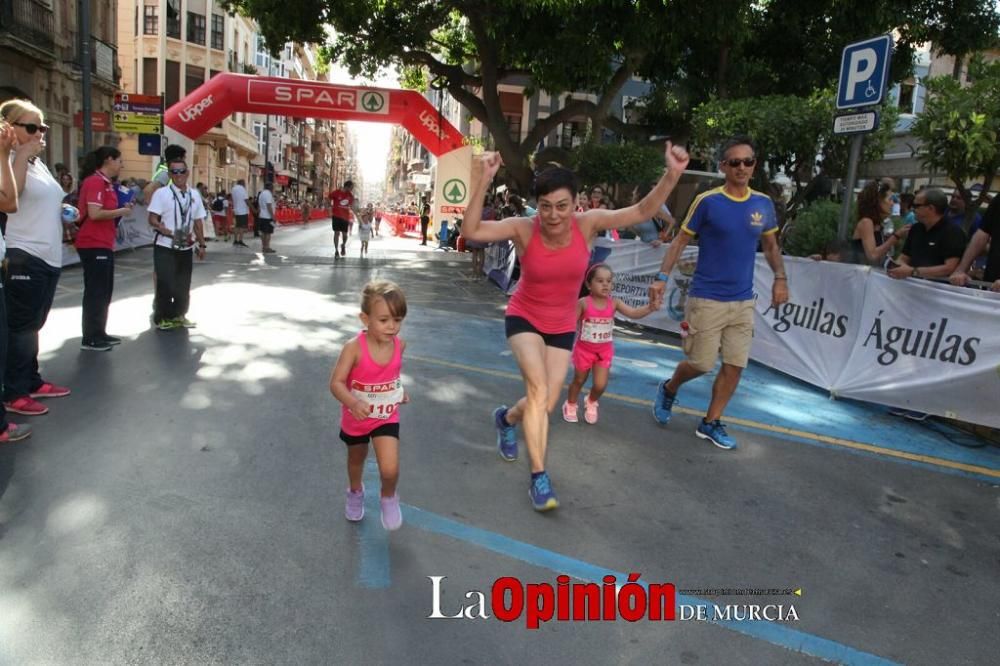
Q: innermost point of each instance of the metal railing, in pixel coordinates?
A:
(30, 22)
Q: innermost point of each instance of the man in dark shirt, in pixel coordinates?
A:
(956, 213)
(983, 237)
(933, 246)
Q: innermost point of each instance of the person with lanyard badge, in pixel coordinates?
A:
(177, 215)
(161, 176)
(9, 432)
(95, 243)
(541, 320)
(34, 238)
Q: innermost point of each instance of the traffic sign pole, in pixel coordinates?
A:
(852, 176)
(864, 73)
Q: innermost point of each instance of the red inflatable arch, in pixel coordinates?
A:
(228, 93)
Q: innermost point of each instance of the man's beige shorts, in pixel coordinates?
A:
(715, 325)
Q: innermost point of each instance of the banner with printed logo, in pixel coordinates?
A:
(811, 337)
(635, 264)
(133, 231)
(928, 347)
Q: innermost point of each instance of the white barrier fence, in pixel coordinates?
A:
(852, 330)
(133, 231)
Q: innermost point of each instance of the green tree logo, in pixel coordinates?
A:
(372, 102)
(454, 191)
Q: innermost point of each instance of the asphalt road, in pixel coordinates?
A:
(185, 504)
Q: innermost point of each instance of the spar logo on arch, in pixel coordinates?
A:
(372, 102)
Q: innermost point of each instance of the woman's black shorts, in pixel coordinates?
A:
(514, 325)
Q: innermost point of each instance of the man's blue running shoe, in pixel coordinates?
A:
(716, 433)
(663, 404)
(506, 435)
(541, 494)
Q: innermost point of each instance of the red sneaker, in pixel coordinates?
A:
(50, 390)
(15, 433)
(27, 406)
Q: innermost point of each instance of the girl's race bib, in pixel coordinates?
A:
(597, 330)
(383, 399)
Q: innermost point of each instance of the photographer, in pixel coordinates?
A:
(177, 215)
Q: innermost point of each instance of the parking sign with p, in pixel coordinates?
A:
(864, 72)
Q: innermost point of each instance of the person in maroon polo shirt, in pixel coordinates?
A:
(95, 243)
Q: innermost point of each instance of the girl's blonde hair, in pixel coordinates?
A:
(387, 291)
(14, 109)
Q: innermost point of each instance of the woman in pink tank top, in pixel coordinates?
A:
(554, 250)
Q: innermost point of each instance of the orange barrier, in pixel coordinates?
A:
(401, 222)
(293, 215)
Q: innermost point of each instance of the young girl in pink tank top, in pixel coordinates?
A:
(594, 348)
(366, 381)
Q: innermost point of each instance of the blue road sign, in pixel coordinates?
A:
(864, 72)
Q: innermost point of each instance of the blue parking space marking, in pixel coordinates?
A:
(776, 634)
(374, 570)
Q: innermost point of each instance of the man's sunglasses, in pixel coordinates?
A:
(31, 128)
(746, 161)
(178, 172)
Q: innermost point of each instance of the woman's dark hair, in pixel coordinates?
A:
(869, 197)
(96, 159)
(593, 270)
(555, 178)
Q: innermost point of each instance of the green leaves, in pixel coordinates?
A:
(616, 164)
(814, 227)
(793, 135)
(960, 126)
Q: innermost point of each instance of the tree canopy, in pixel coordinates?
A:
(960, 128)
(690, 52)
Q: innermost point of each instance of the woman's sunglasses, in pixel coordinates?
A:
(746, 161)
(31, 128)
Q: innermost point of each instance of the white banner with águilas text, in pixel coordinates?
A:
(928, 347)
(851, 330)
(811, 337)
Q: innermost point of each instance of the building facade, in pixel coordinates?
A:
(40, 60)
(169, 48)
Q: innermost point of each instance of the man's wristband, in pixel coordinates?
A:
(662, 277)
(782, 276)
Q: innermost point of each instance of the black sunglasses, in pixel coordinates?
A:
(31, 128)
(746, 161)
(178, 172)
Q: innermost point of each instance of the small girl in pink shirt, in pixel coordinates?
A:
(366, 381)
(594, 348)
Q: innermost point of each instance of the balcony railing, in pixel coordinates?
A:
(30, 22)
